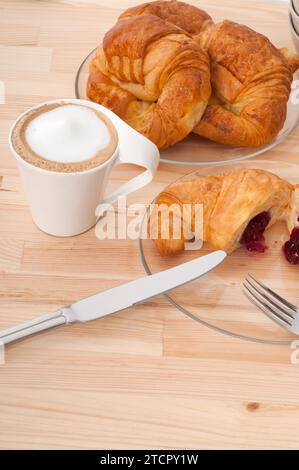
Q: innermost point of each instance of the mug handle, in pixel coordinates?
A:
(136, 149)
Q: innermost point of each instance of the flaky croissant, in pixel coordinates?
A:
(154, 76)
(237, 207)
(191, 19)
(251, 82)
(136, 76)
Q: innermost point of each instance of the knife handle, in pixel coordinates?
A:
(31, 327)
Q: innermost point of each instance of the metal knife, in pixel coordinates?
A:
(117, 298)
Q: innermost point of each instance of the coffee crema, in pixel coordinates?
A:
(64, 137)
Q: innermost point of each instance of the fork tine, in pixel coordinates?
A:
(265, 310)
(270, 308)
(276, 296)
(270, 300)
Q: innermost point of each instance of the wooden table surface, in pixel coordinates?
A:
(130, 380)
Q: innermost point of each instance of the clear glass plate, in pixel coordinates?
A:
(216, 300)
(195, 150)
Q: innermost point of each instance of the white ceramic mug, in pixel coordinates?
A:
(294, 11)
(67, 204)
(295, 5)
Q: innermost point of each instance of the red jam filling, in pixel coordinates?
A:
(253, 236)
(291, 248)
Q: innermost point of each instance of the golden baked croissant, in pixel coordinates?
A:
(251, 82)
(251, 78)
(191, 19)
(237, 208)
(154, 76)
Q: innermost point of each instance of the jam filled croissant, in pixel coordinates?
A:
(237, 208)
(154, 76)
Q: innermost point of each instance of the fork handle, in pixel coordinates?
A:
(33, 326)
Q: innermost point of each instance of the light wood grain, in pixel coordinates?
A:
(148, 377)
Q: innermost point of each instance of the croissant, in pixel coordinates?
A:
(251, 79)
(154, 76)
(251, 82)
(191, 19)
(237, 208)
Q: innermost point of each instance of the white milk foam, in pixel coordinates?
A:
(67, 134)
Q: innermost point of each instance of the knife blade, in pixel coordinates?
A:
(140, 290)
(118, 298)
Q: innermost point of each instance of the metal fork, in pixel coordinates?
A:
(271, 304)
